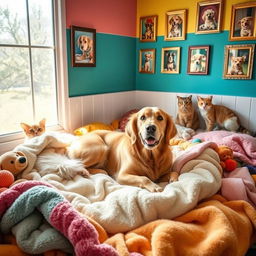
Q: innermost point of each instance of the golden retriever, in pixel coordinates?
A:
(139, 157)
(85, 44)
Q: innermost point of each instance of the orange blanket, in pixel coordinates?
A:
(214, 228)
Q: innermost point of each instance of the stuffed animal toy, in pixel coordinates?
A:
(226, 158)
(12, 161)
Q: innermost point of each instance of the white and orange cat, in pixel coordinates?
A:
(32, 131)
(187, 115)
(217, 115)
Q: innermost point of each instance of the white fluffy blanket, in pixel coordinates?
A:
(120, 208)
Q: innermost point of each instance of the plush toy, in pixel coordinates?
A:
(96, 126)
(12, 161)
(226, 158)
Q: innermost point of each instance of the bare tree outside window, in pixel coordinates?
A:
(27, 64)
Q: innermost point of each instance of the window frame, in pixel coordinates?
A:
(9, 141)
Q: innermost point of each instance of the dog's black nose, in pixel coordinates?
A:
(22, 159)
(151, 128)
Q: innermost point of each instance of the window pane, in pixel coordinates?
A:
(41, 23)
(44, 85)
(15, 90)
(13, 22)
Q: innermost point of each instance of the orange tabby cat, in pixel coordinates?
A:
(187, 116)
(32, 131)
(217, 115)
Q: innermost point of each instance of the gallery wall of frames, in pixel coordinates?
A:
(210, 59)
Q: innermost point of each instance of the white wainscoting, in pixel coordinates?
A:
(99, 108)
(107, 107)
(244, 107)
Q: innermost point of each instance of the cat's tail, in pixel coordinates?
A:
(242, 129)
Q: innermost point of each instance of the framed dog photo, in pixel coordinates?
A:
(209, 17)
(148, 27)
(170, 63)
(198, 59)
(243, 22)
(175, 25)
(238, 61)
(147, 61)
(83, 47)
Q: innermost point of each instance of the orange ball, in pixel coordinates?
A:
(6, 178)
(231, 165)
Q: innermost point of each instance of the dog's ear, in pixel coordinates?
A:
(180, 20)
(190, 97)
(203, 16)
(244, 58)
(210, 97)
(198, 98)
(170, 130)
(78, 40)
(131, 128)
(171, 21)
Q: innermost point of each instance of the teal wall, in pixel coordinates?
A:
(114, 71)
(213, 83)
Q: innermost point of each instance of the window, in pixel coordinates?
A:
(30, 64)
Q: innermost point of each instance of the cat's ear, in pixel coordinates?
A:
(178, 97)
(42, 123)
(25, 127)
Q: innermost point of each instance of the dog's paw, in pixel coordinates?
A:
(152, 187)
(83, 173)
(173, 177)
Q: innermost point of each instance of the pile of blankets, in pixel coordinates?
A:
(97, 216)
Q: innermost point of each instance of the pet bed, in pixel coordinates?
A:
(137, 222)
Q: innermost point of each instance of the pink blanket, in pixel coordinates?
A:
(243, 145)
(239, 185)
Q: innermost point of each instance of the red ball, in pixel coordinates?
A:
(231, 165)
(6, 178)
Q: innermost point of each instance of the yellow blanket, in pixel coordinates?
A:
(214, 228)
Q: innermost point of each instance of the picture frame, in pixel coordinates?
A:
(175, 25)
(243, 22)
(198, 60)
(209, 17)
(83, 47)
(147, 61)
(170, 63)
(148, 28)
(238, 61)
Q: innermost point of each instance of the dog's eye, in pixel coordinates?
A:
(39, 129)
(142, 117)
(12, 162)
(160, 118)
(31, 130)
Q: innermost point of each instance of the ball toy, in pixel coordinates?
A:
(230, 165)
(196, 141)
(6, 178)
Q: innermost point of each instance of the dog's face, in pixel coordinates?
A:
(152, 127)
(149, 26)
(208, 15)
(198, 58)
(245, 23)
(238, 61)
(175, 20)
(84, 43)
(170, 57)
(147, 57)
